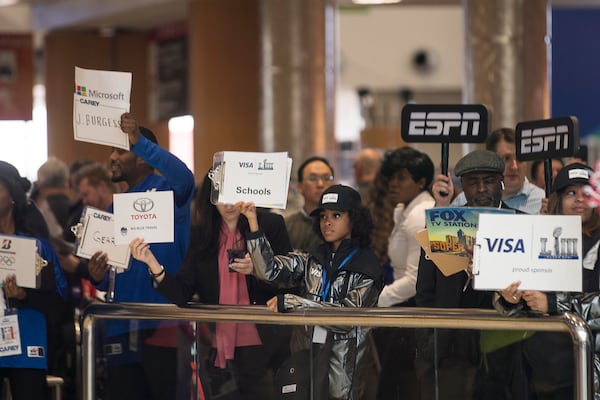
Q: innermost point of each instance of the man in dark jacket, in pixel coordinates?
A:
(481, 174)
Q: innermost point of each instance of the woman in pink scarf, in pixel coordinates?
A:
(208, 275)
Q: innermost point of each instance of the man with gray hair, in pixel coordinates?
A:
(52, 194)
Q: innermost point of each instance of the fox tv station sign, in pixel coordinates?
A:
(547, 138)
(444, 123)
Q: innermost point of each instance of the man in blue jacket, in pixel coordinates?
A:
(140, 354)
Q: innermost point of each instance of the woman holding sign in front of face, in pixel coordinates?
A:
(214, 271)
(550, 375)
(24, 355)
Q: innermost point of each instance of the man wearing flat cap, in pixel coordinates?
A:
(481, 174)
(518, 192)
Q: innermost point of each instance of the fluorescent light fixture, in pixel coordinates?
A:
(376, 1)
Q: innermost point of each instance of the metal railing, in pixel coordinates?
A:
(373, 317)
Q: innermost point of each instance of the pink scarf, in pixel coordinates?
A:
(232, 290)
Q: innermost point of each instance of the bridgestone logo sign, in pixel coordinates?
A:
(452, 123)
(547, 138)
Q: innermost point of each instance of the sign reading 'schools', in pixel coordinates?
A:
(541, 251)
(262, 178)
(444, 123)
(149, 215)
(99, 100)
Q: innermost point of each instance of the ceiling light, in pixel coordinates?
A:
(376, 1)
(4, 3)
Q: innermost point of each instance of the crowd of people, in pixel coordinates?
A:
(345, 247)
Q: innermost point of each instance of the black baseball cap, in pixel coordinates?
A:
(571, 174)
(338, 198)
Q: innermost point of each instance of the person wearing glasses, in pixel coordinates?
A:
(315, 175)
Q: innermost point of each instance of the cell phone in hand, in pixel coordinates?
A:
(232, 254)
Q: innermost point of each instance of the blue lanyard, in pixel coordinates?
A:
(324, 277)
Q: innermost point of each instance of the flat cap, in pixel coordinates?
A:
(479, 161)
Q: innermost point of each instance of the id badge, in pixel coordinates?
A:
(10, 339)
(319, 335)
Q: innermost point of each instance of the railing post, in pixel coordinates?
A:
(583, 353)
(89, 357)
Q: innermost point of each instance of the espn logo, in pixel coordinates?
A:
(444, 123)
(547, 138)
(544, 139)
(437, 123)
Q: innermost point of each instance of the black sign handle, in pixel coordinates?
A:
(445, 156)
(548, 175)
(445, 152)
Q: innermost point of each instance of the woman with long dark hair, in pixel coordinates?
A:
(549, 376)
(209, 275)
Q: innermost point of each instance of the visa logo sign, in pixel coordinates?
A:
(246, 164)
(505, 245)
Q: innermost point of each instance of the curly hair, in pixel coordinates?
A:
(418, 164)
(382, 211)
(362, 225)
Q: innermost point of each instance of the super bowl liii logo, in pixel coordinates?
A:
(558, 248)
(264, 165)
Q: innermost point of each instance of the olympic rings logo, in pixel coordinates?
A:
(7, 260)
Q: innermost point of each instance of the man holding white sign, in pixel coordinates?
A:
(136, 168)
(481, 174)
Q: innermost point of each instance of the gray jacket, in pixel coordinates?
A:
(353, 278)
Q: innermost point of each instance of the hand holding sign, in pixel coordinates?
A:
(130, 127)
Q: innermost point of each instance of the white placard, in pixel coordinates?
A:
(18, 257)
(541, 251)
(149, 215)
(262, 178)
(97, 233)
(99, 100)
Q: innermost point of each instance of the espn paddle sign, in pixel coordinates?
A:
(547, 138)
(445, 123)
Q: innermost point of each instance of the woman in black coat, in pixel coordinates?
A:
(208, 275)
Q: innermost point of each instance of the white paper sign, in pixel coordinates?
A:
(262, 178)
(99, 100)
(149, 215)
(18, 257)
(541, 251)
(97, 233)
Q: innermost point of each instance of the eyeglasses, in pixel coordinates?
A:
(315, 178)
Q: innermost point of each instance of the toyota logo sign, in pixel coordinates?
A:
(143, 204)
